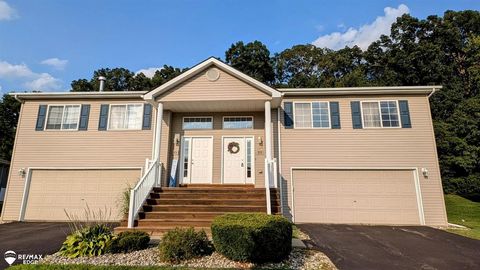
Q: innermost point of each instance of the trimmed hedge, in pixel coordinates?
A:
(182, 244)
(252, 237)
(129, 241)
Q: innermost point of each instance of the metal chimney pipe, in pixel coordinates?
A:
(102, 83)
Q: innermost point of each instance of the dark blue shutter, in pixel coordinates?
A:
(356, 114)
(147, 116)
(335, 114)
(288, 114)
(404, 114)
(84, 115)
(42, 114)
(102, 122)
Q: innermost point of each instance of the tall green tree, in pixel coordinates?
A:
(9, 113)
(165, 74)
(253, 59)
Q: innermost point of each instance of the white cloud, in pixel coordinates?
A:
(55, 63)
(149, 72)
(29, 79)
(45, 82)
(7, 12)
(365, 34)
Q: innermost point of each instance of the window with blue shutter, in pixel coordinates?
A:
(42, 114)
(356, 115)
(335, 114)
(103, 120)
(404, 114)
(84, 115)
(147, 116)
(288, 114)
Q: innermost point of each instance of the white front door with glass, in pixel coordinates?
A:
(197, 160)
(238, 160)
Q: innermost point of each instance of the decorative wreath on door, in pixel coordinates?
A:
(233, 147)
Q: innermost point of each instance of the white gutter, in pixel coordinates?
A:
(359, 90)
(76, 95)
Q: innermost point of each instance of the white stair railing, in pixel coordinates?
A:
(140, 192)
(270, 181)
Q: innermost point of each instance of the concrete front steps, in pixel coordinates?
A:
(197, 205)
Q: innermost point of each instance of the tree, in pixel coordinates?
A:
(81, 85)
(165, 74)
(252, 59)
(9, 112)
(299, 66)
(122, 79)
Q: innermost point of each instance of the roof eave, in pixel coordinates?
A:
(393, 90)
(78, 95)
(203, 65)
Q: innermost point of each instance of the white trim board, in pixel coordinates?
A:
(414, 170)
(201, 67)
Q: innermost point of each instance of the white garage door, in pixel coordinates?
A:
(355, 196)
(52, 192)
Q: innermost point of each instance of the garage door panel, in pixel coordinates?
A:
(355, 196)
(52, 192)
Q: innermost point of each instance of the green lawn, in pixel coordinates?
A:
(463, 212)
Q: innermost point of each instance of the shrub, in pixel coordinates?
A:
(183, 244)
(89, 241)
(129, 241)
(252, 237)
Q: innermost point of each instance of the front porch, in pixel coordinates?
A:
(197, 205)
(212, 147)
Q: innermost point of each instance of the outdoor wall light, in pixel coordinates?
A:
(425, 172)
(177, 139)
(22, 172)
(260, 140)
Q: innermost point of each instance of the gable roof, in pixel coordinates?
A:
(204, 65)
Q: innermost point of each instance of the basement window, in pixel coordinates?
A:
(63, 117)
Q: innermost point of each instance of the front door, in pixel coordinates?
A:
(197, 160)
(237, 160)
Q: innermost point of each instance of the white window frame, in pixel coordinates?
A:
(380, 112)
(311, 114)
(126, 105)
(63, 115)
(183, 121)
(237, 116)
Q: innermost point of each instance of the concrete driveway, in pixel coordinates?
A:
(390, 247)
(35, 238)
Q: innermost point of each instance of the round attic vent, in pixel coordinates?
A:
(212, 74)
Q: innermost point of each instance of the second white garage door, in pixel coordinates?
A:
(355, 196)
(52, 192)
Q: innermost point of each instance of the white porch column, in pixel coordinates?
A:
(158, 131)
(268, 131)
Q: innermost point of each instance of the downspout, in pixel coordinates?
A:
(433, 92)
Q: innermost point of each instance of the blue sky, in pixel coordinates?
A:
(44, 45)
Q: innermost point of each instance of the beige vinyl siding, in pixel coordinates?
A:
(91, 148)
(387, 147)
(217, 132)
(226, 87)
(53, 193)
(355, 196)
